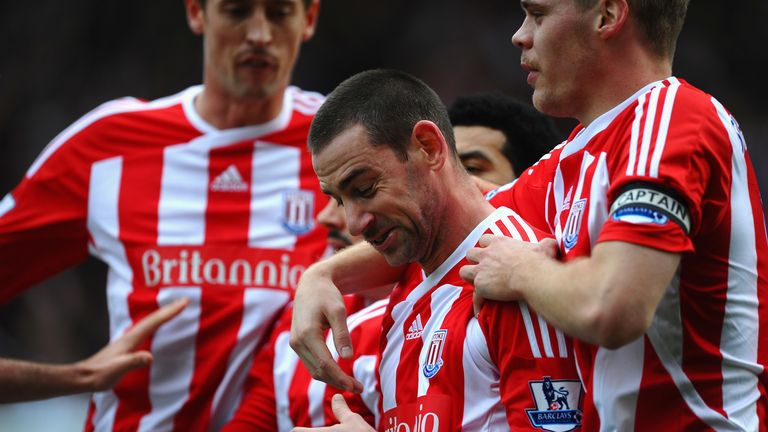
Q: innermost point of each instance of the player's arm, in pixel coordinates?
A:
(318, 305)
(607, 299)
(24, 381)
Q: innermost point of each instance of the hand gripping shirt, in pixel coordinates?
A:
(442, 369)
(288, 397)
(175, 208)
(668, 169)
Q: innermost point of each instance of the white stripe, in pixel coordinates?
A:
(634, 136)
(650, 118)
(364, 370)
(527, 228)
(441, 302)
(275, 170)
(284, 368)
(544, 329)
(616, 385)
(561, 345)
(739, 339)
(558, 193)
(483, 410)
(173, 349)
(259, 306)
(661, 138)
(529, 329)
(7, 204)
(391, 354)
(315, 398)
(183, 196)
(598, 196)
(512, 229)
(586, 162)
(546, 208)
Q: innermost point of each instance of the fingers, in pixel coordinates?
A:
(151, 322)
(337, 319)
(486, 239)
(477, 302)
(550, 247)
(468, 273)
(315, 355)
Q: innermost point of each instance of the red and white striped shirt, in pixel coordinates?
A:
(176, 208)
(444, 370)
(668, 169)
(289, 397)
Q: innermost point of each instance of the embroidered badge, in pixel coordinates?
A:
(434, 359)
(573, 224)
(558, 404)
(298, 211)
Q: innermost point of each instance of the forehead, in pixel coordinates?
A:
(349, 155)
(471, 138)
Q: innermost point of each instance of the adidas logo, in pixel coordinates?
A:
(415, 330)
(229, 180)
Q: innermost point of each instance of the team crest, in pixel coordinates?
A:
(298, 211)
(573, 224)
(434, 359)
(558, 404)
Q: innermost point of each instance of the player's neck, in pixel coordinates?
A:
(464, 209)
(223, 110)
(620, 80)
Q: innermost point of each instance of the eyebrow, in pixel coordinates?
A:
(357, 172)
(473, 155)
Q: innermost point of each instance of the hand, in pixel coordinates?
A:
(317, 306)
(500, 272)
(348, 420)
(105, 368)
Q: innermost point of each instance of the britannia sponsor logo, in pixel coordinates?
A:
(422, 416)
(558, 404)
(186, 266)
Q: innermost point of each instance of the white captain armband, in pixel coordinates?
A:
(645, 203)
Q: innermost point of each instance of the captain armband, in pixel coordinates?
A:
(646, 203)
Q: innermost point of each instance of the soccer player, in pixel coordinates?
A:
(655, 208)
(25, 381)
(207, 194)
(382, 146)
(498, 137)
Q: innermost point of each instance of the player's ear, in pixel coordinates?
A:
(312, 13)
(613, 16)
(430, 144)
(195, 16)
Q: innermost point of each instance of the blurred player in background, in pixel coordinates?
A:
(208, 194)
(498, 137)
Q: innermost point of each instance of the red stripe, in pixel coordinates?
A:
(298, 398)
(139, 195)
(221, 309)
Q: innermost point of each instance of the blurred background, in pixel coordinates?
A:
(64, 58)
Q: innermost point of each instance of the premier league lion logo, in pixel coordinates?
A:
(558, 404)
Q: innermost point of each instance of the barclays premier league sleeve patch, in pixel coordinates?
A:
(645, 203)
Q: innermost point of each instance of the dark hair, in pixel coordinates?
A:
(204, 2)
(529, 134)
(661, 21)
(388, 103)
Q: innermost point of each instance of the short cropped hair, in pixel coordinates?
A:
(204, 2)
(661, 21)
(387, 103)
(529, 134)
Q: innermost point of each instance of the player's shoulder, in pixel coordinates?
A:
(305, 101)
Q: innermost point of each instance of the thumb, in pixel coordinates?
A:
(135, 360)
(340, 408)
